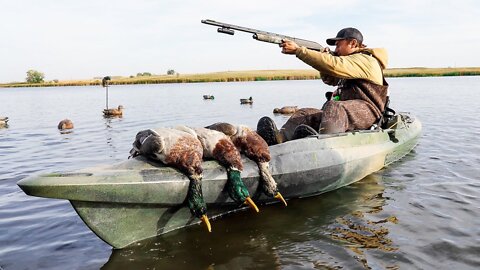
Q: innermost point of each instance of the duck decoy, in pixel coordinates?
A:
(65, 124)
(246, 100)
(113, 112)
(286, 110)
(3, 121)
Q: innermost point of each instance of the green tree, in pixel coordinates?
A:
(34, 76)
(170, 72)
(146, 74)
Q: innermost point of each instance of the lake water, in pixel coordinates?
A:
(421, 212)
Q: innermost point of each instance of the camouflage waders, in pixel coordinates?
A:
(361, 104)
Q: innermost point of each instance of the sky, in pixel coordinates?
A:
(74, 40)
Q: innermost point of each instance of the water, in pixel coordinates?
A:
(418, 213)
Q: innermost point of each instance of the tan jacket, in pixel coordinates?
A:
(354, 66)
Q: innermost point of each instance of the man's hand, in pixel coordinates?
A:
(289, 47)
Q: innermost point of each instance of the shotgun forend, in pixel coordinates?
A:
(226, 31)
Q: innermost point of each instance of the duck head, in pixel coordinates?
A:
(153, 146)
(195, 200)
(237, 189)
(147, 143)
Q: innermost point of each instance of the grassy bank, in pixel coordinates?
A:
(432, 72)
(253, 75)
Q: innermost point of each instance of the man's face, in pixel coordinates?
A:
(345, 47)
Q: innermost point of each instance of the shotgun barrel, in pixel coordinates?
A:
(264, 36)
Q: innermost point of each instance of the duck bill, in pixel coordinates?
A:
(252, 205)
(205, 221)
(280, 197)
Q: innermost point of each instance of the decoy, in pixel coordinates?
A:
(113, 112)
(65, 124)
(246, 100)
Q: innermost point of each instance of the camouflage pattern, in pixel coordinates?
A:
(139, 198)
(361, 105)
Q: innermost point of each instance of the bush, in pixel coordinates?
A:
(34, 76)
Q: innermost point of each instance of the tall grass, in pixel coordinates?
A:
(253, 75)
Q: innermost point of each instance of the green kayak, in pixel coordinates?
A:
(138, 198)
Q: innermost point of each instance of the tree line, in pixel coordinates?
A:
(35, 76)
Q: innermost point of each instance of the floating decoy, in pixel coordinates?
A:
(255, 148)
(286, 110)
(65, 124)
(246, 100)
(113, 112)
(218, 146)
(181, 150)
(3, 121)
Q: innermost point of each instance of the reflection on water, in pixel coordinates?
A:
(319, 231)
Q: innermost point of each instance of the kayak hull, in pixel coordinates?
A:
(138, 198)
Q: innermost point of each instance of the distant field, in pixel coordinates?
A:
(432, 72)
(253, 75)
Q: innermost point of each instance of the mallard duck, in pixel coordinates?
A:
(208, 97)
(113, 112)
(246, 100)
(65, 124)
(255, 148)
(180, 150)
(218, 146)
(3, 121)
(286, 110)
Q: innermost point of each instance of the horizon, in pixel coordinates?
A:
(115, 76)
(74, 41)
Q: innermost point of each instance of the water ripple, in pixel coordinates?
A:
(419, 213)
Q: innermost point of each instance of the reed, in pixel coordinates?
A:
(251, 75)
(432, 72)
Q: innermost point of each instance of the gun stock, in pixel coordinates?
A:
(264, 36)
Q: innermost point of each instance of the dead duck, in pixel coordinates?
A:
(65, 124)
(180, 150)
(246, 100)
(3, 121)
(255, 148)
(113, 112)
(216, 145)
(286, 110)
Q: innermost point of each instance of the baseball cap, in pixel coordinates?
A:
(345, 33)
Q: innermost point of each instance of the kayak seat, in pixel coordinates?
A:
(303, 131)
(387, 115)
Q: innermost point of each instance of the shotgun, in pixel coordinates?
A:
(264, 36)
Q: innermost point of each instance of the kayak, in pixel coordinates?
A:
(139, 198)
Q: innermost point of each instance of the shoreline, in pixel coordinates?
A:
(252, 75)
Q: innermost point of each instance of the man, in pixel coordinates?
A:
(359, 100)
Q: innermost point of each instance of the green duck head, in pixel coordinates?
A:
(237, 189)
(195, 200)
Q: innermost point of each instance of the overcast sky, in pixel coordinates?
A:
(84, 39)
